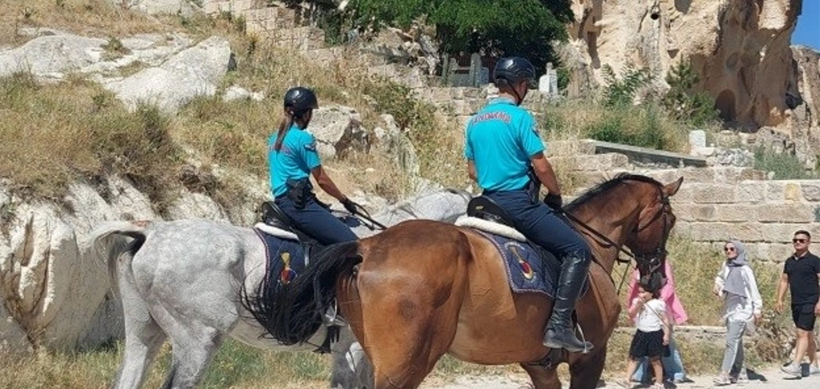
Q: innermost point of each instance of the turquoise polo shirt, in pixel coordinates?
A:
(294, 160)
(501, 139)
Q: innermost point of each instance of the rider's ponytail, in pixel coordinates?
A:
(284, 126)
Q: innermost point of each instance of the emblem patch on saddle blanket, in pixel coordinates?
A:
(527, 270)
(286, 257)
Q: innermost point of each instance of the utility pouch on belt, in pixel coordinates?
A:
(534, 186)
(299, 191)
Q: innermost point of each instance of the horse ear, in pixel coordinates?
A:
(672, 188)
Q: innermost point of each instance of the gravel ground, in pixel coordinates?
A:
(771, 378)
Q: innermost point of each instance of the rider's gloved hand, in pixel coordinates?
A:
(554, 201)
(349, 205)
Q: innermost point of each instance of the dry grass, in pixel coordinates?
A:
(645, 126)
(235, 366)
(53, 134)
(98, 18)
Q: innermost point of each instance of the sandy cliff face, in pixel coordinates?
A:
(740, 48)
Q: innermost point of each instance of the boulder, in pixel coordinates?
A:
(55, 292)
(51, 56)
(238, 93)
(190, 73)
(338, 129)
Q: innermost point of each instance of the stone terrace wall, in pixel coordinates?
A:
(762, 214)
(715, 203)
(275, 22)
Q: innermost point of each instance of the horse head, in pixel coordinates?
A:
(632, 211)
(647, 241)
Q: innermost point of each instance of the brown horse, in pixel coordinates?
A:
(422, 289)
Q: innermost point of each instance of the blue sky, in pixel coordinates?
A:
(808, 25)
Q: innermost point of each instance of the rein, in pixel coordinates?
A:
(362, 213)
(654, 260)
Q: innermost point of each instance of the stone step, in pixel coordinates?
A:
(717, 174)
(652, 156)
(591, 163)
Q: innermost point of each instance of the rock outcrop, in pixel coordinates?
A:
(806, 116)
(190, 73)
(338, 129)
(55, 292)
(52, 54)
(739, 48)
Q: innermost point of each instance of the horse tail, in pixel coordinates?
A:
(108, 244)
(292, 313)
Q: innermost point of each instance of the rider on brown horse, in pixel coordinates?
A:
(502, 147)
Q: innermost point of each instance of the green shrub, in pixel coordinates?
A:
(683, 102)
(784, 166)
(641, 126)
(622, 91)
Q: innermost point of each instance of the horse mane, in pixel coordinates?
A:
(606, 186)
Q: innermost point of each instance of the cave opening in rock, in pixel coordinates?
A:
(725, 103)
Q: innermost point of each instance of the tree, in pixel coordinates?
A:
(494, 27)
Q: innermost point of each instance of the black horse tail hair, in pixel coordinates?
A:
(292, 313)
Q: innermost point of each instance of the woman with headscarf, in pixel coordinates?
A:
(742, 306)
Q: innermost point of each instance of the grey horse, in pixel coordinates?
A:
(179, 281)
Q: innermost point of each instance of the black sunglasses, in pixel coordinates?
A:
(796, 240)
(728, 249)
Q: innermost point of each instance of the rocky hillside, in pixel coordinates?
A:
(740, 48)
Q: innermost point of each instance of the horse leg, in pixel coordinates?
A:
(351, 369)
(542, 377)
(585, 371)
(404, 350)
(195, 336)
(193, 349)
(143, 340)
(143, 336)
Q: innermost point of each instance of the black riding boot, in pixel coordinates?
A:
(560, 332)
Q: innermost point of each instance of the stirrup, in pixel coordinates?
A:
(583, 338)
(587, 346)
(331, 316)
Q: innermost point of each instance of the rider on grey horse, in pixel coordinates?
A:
(293, 158)
(502, 146)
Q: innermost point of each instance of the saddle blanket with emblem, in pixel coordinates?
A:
(529, 269)
(285, 257)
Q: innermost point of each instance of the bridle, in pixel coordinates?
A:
(652, 258)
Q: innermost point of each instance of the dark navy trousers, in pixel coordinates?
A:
(317, 221)
(541, 225)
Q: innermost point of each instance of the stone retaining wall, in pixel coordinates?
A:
(715, 204)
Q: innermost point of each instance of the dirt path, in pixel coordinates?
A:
(770, 378)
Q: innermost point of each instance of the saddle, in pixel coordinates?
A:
(276, 223)
(485, 208)
(273, 216)
(523, 258)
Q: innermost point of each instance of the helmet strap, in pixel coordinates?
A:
(504, 83)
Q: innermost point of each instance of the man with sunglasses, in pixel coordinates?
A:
(801, 274)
